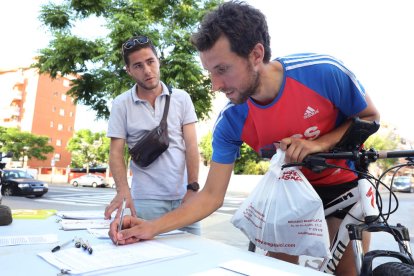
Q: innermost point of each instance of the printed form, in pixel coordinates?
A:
(109, 256)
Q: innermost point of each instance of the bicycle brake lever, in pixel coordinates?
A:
(315, 163)
(293, 164)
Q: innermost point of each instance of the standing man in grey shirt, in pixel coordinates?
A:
(173, 176)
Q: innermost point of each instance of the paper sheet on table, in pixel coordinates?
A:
(218, 271)
(27, 239)
(247, 268)
(103, 233)
(79, 224)
(99, 214)
(107, 256)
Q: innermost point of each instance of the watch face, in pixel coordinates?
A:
(193, 186)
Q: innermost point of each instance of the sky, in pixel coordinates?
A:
(371, 37)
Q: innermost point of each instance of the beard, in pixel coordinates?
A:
(252, 85)
(147, 87)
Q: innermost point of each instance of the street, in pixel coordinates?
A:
(216, 227)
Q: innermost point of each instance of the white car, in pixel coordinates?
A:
(92, 180)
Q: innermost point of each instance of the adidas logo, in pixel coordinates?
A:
(309, 112)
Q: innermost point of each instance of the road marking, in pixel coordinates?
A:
(68, 202)
(80, 199)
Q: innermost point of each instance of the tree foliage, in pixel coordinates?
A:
(97, 62)
(22, 143)
(88, 149)
(206, 149)
(248, 163)
(383, 141)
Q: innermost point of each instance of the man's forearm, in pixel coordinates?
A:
(193, 165)
(195, 209)
(118, 170)
(192, 155)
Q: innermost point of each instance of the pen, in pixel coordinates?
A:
(58, 247)
(122, 217)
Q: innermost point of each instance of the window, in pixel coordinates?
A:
(58, 142)
(66, 83)
(54, 109)
(62, 112)
(63, 97)
(60, 127)
(56, 157)
(71, 114)
(51, 124)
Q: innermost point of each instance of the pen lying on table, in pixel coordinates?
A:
(58, 247)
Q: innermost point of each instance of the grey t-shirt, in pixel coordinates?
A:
(131, 117)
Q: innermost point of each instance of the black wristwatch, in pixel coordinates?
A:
(193, 186)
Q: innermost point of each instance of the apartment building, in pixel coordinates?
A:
(36, 103)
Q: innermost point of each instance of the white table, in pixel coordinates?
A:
(208, 254)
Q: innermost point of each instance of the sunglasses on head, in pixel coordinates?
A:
(139, 40)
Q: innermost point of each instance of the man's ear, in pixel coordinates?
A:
(257, 54)
(127, 70)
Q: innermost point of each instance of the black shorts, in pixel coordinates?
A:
(329, 193)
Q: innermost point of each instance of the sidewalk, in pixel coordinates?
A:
(238, 183)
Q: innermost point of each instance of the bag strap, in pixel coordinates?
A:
(167, 105)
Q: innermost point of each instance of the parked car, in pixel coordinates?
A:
(1, 194)
(2, 166)
(403, 184)
(18, 182)
(113, 185)
(92, 180)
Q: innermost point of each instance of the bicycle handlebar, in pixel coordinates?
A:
(318, 160)
(351, 155)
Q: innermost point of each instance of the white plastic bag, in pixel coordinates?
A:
(284, 213)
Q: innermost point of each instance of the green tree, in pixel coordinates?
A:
(22, 143)
(206, 149)
(98, 64)
(89, 149)
(248, 163)
(383, 141)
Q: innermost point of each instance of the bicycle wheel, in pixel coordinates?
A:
(400, 269)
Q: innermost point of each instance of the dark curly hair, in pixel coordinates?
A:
(242, 24)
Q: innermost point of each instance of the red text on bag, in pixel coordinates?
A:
(290, 175)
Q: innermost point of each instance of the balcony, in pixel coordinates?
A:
(12, 123)
(17, 95)
(10, 111)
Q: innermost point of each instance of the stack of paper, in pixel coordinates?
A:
(81, 224)
(81, 214)
(80, 220)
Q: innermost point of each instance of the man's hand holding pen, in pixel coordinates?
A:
(133, 230)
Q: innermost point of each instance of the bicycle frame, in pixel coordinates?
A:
(351, 229)
(358, 195)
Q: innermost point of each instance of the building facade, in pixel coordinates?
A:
(38, 104)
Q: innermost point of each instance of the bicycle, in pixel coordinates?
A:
(366, 214)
